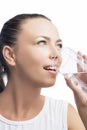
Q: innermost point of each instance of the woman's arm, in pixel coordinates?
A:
(74, 120)
(82, 107)
(80, 99)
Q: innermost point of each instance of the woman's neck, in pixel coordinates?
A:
(24, 101)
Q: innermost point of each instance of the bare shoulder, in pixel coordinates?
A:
(74, 120)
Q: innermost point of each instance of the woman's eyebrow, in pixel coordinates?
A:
(59, 40)
(48, 38)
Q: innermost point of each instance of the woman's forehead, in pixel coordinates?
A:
(37, 23)
(40, 26)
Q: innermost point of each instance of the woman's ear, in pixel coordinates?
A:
(9, 56)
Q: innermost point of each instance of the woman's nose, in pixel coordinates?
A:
(55, 53)
(53, 56)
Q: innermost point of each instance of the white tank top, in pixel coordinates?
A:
(53, 116)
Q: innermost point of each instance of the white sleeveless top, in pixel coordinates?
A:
(53, 116)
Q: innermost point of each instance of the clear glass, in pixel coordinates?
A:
(73, 66)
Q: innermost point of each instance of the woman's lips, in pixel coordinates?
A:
(52, 68)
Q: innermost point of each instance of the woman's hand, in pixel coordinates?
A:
(80, 95)
(80, 90)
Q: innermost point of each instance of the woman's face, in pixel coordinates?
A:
(38, 52)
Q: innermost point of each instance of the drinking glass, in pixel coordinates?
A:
(74, 66)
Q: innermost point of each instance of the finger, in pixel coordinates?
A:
(71, 84)
(85, 57)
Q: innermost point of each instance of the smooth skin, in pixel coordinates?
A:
(38, 44)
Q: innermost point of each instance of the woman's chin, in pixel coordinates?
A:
(50, 84)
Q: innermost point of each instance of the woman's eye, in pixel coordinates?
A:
(59, 45)
(42, 42)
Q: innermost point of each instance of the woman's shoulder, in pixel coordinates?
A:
(74, 120)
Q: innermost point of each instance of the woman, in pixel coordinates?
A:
(30, 56)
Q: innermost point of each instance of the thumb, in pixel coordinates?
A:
(79, 94)
(71, 84)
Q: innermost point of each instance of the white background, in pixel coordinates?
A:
(70, 17)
